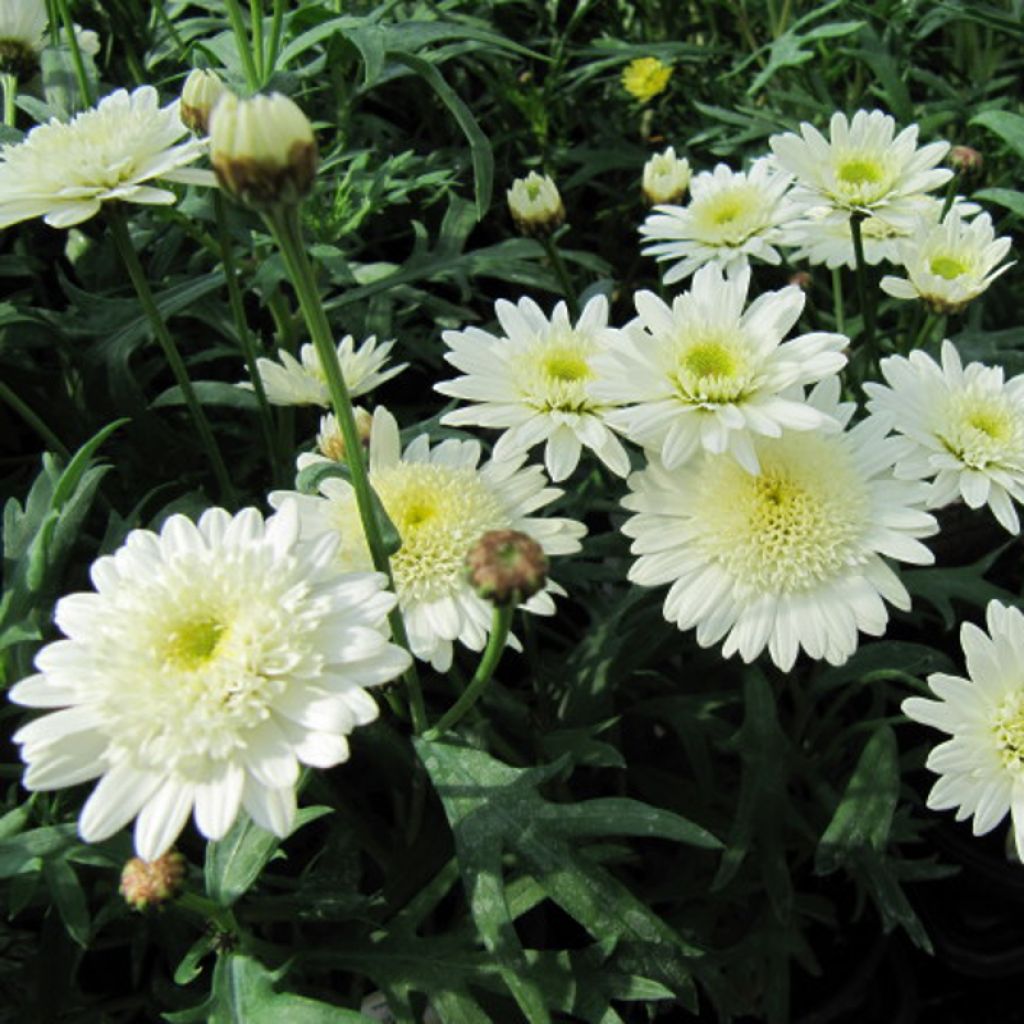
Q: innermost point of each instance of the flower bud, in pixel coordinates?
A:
(199, 96)
(535, 205)
(262, 149)
(802, 279)
(329, 439)
(966, 160)
(666, 177)
(506, 567)
(146, 884)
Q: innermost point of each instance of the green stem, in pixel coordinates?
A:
(276, 25)
(284, 225)
(925, 332)
(34, 421)
(242, 42)
(837, 300)
(501, 622)
(245, 338)
(564, 281)
(951, 188)
(867, 308)
(223, 918)
(76, 53)
(123, 241)
(256, 18)
(9, 83)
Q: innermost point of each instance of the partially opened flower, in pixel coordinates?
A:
(981, 765)
(704, 373)
(731, 216)
(65, 172)
(949, 264)
(535, 205)
(535, 380)
(441, 501)
(963, 429)
(211, 661)
(666, 177)
(302, 381)
(790, 557)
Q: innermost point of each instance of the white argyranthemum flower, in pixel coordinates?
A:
(536, 381)
(732, 215)
(981, 766)
(440, 502)
(863, 166)
(302, 381)
(949, 264)
(212, 659)
(790, 557)
(964, 427)
(704, 373)
(65, 172)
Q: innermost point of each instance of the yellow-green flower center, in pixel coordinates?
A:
(730, 216)
(948, 267)
(859, 172)
(1008, 728)
(552, 375)
(193, 644)
(712, 368)
(983, 430)
(862, 178)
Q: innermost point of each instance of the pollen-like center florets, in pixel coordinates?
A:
(1008, 728)
(862, 177)
(730, 216)
(712, 368)
(792, 526)
(984, 430)
(193, 643)
(948, 267)
(552, 376)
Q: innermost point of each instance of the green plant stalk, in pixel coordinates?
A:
(867, 308)
(76, 53)
(242, 42)
(245, 338)
(562, 273)
(9, 83)
(274, 46)
(501, 622)
(256, 17)
(837, 301)
(130, 258)
(284, 225)
(223, 918)
(951, 190)
(34, 421)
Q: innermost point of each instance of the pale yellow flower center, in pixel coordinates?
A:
(948, 267)
(862, 177)
(712, 368)
(1008, 728)
(731, 216)
(193, 643)
(552, 375)
(983, 430)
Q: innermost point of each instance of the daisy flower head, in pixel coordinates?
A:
(303, 381)
(863, 166)
(949, 264)
(705, 373)
(981, 765)
(441, 501)
(731, 216)
(535, 380)
(790, 557)
(646, 77)
(962, 428)
(211, 660)
(666, 177)
(65, 172)
(535, 205)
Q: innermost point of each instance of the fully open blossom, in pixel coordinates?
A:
(645, 77)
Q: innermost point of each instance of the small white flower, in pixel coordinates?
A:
(536, 381)
(211, 661)
(981, 765)
(731, 216)
(666, 177)
(704, 373)
(535, 204)
(295, 382)
(963, 429)
(440, 502)
(949, 264)
(790, 557)
(65, 172)
(864, 165)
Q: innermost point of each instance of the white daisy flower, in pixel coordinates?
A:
(732, 215)
(211, 661)
(65, 172)
(536, 380)
(440, 501)
(863, 166)
(704, 373)
(981, 765)
(949, 264)
(963, 428)
(790, 557)
(302, 381)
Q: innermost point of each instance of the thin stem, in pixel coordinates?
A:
(284, 225)
(951, 188)
(123, 240)
(76, 53)
(256, 18)
(867, 309)
(9, 83)
(925, 332)
(276, 25)
(242, 42)
(501, 622)
(245, 338)
(837, 301)
(223, 918)
(34, 421)
(564, 281)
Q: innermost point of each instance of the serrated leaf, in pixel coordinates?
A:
(941, 587)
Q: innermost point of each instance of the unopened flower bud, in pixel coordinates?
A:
(146, 884)
(802, 279)
(535, 205)
(262, 149)
(330, 441)
(966, 160)
(199, 96)
(506, 567)
(666, 177)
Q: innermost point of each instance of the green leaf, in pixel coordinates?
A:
(23, 852)
(941, 587)
(1009, 127)
(69, 898)
(209, 392)
(618, 816)
(1008, 198)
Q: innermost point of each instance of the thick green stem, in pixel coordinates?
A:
(837, 300)
(256, 17)
(222, 918)
(123, 240)
(284, 225)
(34, 421)
(276, 26)
(9, 83)
(562, 273)
(234, 12)
(867, 306)
(500, 625)
(76, 53)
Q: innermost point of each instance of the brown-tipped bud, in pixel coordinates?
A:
(966, 160)
(149, 883)
(802, 279)
(535, 205)
(506, 567)
(262, 149)
(199, 96)
(330, 440)
(18, 58)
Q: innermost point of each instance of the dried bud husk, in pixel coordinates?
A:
(507, 567)
(966, 160)
(535, 205)
(199, 96)
(150, 883)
